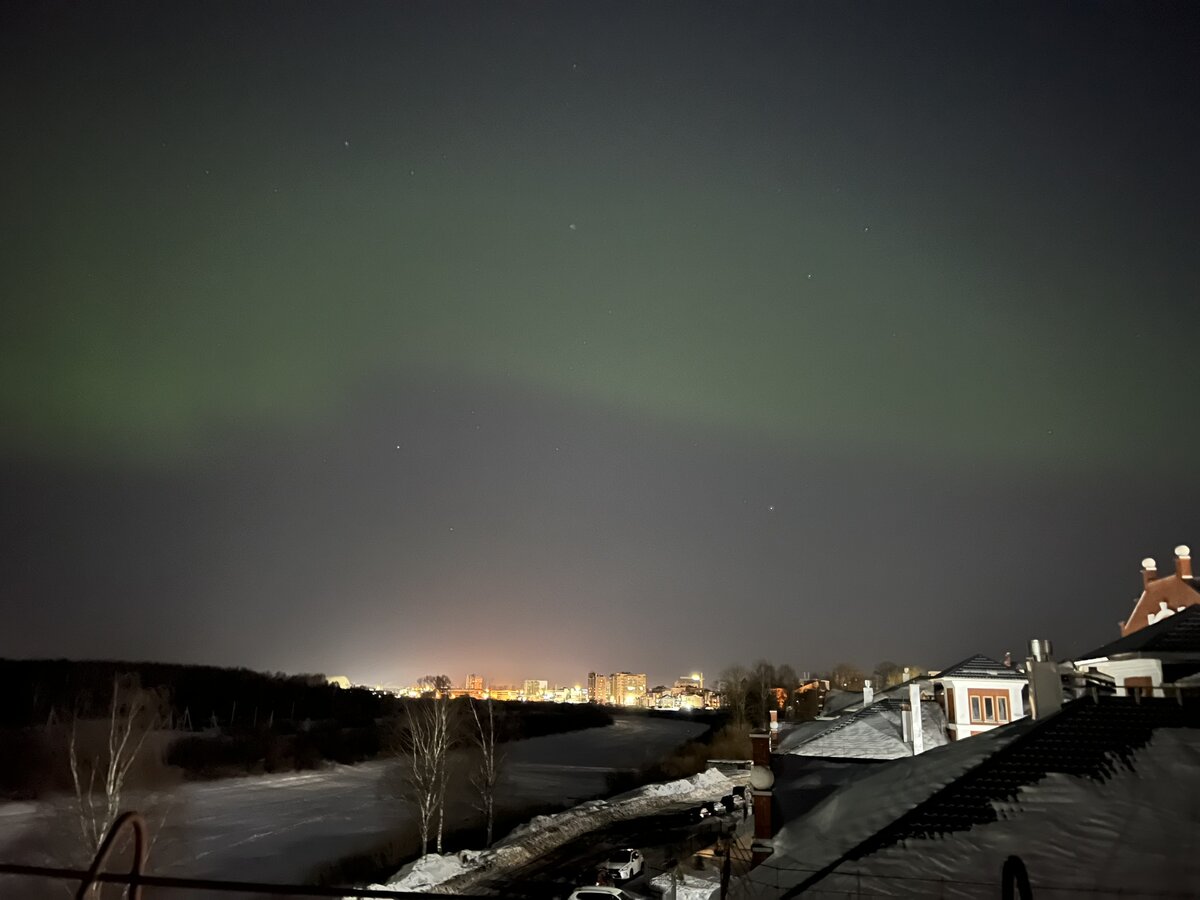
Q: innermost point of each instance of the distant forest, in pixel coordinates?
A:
(212, 722)
(42, 690)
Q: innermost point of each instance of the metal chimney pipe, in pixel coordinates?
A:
(1040, 650)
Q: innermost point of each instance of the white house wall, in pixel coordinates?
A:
(961, 719)
(1120, 669)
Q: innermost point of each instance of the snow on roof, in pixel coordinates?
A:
(874, 732)
(871, 801)
(792, 734)
(980, 666)
(837, 700)
(1178, 633)
(1101, 797)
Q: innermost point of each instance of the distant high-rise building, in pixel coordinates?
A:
(534, 688)
(627, 688)
(474, 683)
(598, 688)
(695, 680)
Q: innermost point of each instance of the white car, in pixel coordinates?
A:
(601, 892)
(622, 865)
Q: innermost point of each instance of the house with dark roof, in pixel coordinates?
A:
(978, 694)
(1098, 799)
(1166, 652)
(1163, 595)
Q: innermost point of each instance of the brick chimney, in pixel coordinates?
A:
(1183, 562)
(761, 781)
(1149, 572)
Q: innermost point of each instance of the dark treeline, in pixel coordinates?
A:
(213, 722)
(40, 691)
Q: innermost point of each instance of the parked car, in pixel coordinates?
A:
(601, 892)
(624, 864)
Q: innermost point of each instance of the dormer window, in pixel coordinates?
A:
(988, 707)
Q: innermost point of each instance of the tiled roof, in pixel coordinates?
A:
(1087, 739)
(873, 732)
(1090, 738)
(1179, 633)
(980, 666)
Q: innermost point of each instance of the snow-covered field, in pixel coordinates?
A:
(282, 827)
(461, 872)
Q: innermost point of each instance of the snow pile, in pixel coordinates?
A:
(687, 887)
(708, 780)
(459, 872)
(431, 870)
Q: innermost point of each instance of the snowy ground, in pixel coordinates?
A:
(458, 873)
(282, 827)
(688, 886)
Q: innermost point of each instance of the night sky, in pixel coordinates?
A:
(527, 339)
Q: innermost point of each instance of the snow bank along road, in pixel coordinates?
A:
(282, 827)
(521, 853)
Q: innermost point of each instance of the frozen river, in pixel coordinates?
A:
(283, 827)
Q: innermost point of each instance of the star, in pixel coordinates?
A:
(770, 508)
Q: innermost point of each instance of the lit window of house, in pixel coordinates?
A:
(988, 707)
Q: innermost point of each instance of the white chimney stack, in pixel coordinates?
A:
(918, 725)
(868, 693)
(1183, 561)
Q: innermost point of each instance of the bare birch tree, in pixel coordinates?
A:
(100, 779)
(417, 748)
(487, 773)
(425, 746)
(441, 706)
